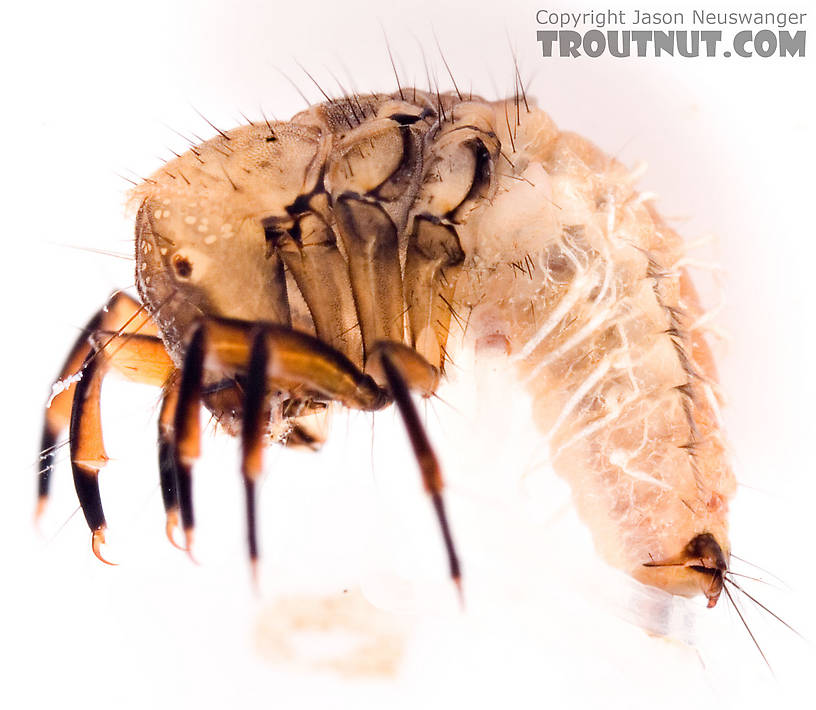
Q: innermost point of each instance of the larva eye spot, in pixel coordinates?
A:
(182, 267)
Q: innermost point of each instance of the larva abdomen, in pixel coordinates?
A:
(577, 275)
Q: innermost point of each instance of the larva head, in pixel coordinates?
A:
(216, 225)
(200, 240)
(698, 568)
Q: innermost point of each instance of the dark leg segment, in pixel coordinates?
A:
(168, 473)
(269, 357)
(140, 357)
(87, 449)
(370, 240)
(428, 463)
(187, 426)
(255, 419)
(297, 361)
(58, 412)
(122, 314)
(310, 253)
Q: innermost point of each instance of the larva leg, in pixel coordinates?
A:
(371, 180)
(297, 362)
(187, 429)
(309, 251)
(137, 357)
(271, 357)
(402, 368)
(142, 358)
(88, 449)
(252, 433)
(168, 475)
(122, 314)
(457, 177)
(418, 374)
(431, 270)
(370, 239)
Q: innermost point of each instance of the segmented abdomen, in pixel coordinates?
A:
(598, 316)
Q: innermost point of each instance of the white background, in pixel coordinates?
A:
(93, 91)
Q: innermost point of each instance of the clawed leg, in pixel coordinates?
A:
(168, 473)
(139, 357)
(252, 436)
(264, 361)
(401, 366)
(186, 443)
(121, 314)
(88, 450)
(271, 359)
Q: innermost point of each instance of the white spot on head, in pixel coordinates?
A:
(210, 239)
(201, 228)
(189, 219)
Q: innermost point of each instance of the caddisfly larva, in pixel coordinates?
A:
(286, 265)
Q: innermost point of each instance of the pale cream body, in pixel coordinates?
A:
(596, 320)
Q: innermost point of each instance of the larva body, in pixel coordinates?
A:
(290, 264)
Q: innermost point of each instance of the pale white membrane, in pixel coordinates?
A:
(547, 624)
